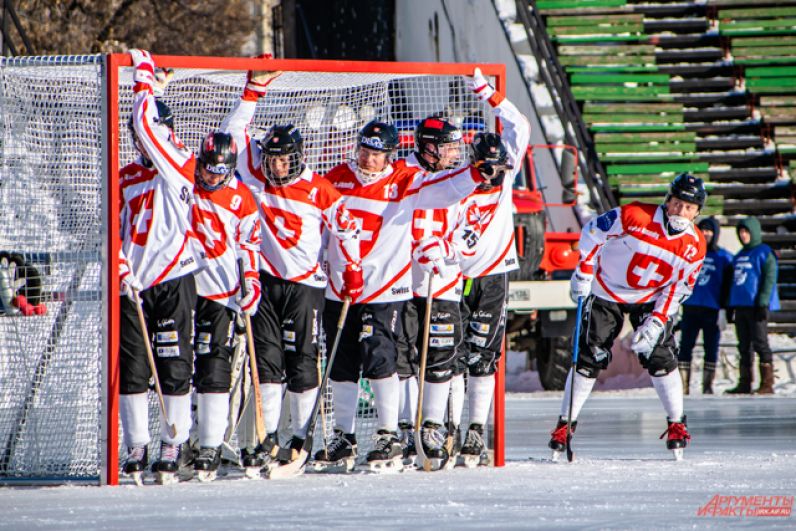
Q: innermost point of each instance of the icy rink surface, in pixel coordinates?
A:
(622, 478)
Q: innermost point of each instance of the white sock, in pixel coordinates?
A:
(134, 412)
(408, 400)
(271, 394)
(301, 405)
(457, 399)
(385, 393)
(670, 391)
(346, 395)
(213, 416)
(583, 387)
(435, 401)
(480, 394)
(178, 408)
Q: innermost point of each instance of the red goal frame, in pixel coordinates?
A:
(109, 473)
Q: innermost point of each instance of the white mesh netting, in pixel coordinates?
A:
(51, 189)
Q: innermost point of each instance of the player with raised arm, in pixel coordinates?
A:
(227, 222)
(382, 196)
(158, 257)
(298, 208)
(487, 237)
(640, 260)
(434, 251)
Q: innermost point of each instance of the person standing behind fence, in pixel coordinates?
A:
(701, 309)
(753, 294)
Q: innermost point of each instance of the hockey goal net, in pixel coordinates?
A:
(64, 137)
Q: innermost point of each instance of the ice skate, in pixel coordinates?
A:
(408, 443)
(678, 437)
(290, 461)
(434, 454)
(175, 464)
(474, 450)
(339, 456)
(135, 464)
(261, 458)
(387, 455)
(558, 439)
(206, 464)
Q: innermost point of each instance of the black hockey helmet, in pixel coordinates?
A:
(688, 188)
(432, 133)
(218, 155)
(283, 140)
(379, 136)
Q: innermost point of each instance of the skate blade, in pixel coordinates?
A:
(344, 466)
(252, 472)
(389, 466)
(410, 461)
(291, 469)
(470, 461)
(138, 478)
(206, 476)
(166, 478)
(678, 454)
(434, 464)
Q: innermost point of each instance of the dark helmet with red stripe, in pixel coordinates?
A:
(438, 144)
(688, 188)
(283, 140)
(218, 155)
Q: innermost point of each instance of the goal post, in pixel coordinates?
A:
(64, 139)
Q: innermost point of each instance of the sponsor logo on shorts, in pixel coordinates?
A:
(290, 348)
(168, 352)
(289, 335)
(480, 328)
(204, 337)
(367, 331)
(440, 342)
(163, 323)
(167, 337)
(477, 341)
(440, 329)
(202, 348)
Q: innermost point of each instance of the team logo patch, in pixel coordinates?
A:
(367, 331)
(606, 221)
(167, 337)
(440, 342)
(480, 328)
(442, 329)
(168, 352)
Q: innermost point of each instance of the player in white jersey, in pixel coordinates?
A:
(436, 149)
(159, 257)
(488, 235)
(227, 222)
(382, 196)
(641, 260)
(299, 210)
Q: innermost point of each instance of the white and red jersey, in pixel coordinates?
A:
(156, 200)
(296, 216)
(635, 261)
(439, 222)
(384, 210)
(488, 233)
(227, 223)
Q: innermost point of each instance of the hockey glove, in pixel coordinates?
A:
(129, 283)
(258, 80)
(580, 285)
(480, 85)
(144, 67)
(433, 254)
(646, 337)
(163, 77)
(248, 303)
(353, 283)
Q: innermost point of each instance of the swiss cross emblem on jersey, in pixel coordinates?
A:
(646, 272)
(141, 214)
(284, 225)
(369, 232)
(427, 223)
(210, 230)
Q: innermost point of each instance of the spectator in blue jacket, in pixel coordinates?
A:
(753, 294)
(701, 309)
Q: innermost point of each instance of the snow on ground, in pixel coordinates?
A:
(622, 477)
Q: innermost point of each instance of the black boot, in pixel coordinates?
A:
(744, 386)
